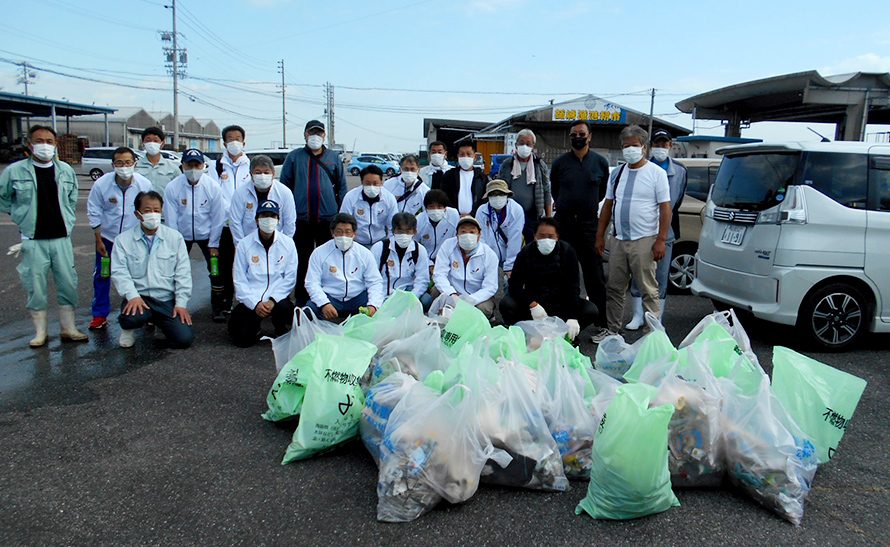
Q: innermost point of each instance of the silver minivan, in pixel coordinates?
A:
(799, 234)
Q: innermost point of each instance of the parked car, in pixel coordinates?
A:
(96, 161)
(496, 161)
(700, 175)
(796, 234)
(390, 168)
(277, 155)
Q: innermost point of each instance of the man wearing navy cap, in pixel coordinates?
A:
(194, 205)
(265, 273)
(316, 176)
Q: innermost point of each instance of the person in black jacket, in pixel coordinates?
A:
(546, 281)
(465, 186)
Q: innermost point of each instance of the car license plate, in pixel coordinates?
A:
(733, 234)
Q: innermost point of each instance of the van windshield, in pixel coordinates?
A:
(752, 182)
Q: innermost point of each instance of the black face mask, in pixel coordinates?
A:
(578, 143)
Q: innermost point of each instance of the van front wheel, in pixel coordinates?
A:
(834, 317)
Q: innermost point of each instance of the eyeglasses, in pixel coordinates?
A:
(128, 163)
(316, 131)
(344, 233)
(578, 135)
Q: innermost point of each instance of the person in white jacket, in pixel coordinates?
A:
(407, 188)
(111, 211)
(194, 205)
(467, 268)
(243, 209)
(265, 274)
(502, 221)
(437, 223)
(342, 276)
(372, 206)
(404, 264)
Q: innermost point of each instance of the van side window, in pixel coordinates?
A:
(842, 177)
(879, 180)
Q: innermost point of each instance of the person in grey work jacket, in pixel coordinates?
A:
(676, 173)
(40, 194)
(150, 269)
(110, 210)
(154, 166)
(317, 179)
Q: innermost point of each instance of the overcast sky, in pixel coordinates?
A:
(463, 59)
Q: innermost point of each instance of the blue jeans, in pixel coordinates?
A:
(344, 308)
(101, 285)
(179, 335)
(662, 269)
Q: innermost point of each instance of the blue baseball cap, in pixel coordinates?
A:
(192, 154)
(268, 206)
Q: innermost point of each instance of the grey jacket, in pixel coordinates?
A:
(542, 182)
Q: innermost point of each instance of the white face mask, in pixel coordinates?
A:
(524, 151)
(343, 243)
(437, 160)
(546, 246)
(267, 224)
(315, 141)
(235, 148)
(466, 163)
(497, 202)
(43, 152)
(371, 191)
(435, 214)
(194, 175)
(151, 221)
(660, 154)
(409, 177)
(468, 242)
(152, 148)
(263, 180)
(632, 154)
(125, 173)
(403, 240)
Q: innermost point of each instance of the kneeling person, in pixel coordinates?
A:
(150, 269)
(342, 276)
(546, 281)
(403, 262)
(265, 274)
(467, 268)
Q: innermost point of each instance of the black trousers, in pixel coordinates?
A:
(580, 233)
(159, 312)
(216, 288)
(244, 324)
(226, 265)
(309, 235)
(513, 313)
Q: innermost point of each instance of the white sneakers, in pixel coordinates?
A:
(128, 338)
(601, 335)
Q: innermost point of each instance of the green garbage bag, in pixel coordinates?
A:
(466, 325)
(655, 347)
(399, 317)
(506, 343)
(819, 398)
(332, 405)
(629, 477)
(286, 396)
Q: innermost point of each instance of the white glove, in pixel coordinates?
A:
(14, 250)
(574, 328)
(538, 313)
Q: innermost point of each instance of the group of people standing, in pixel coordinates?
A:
(441, 232)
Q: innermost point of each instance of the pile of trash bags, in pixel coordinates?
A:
(443, 404)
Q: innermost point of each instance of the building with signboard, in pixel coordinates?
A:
(551, 125)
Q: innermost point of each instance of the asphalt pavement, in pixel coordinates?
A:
(148, 445)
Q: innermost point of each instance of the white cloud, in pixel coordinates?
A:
(869, 62)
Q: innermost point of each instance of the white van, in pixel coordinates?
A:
(799, 234)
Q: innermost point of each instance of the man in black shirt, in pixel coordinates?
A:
(578, 182)
(40, 194)
(546, 282)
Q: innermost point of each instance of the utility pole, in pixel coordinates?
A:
(176, 61)
(651, 113)
(330, 112)
(283, 107)
(27, 75)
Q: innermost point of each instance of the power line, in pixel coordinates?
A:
(94, 16)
